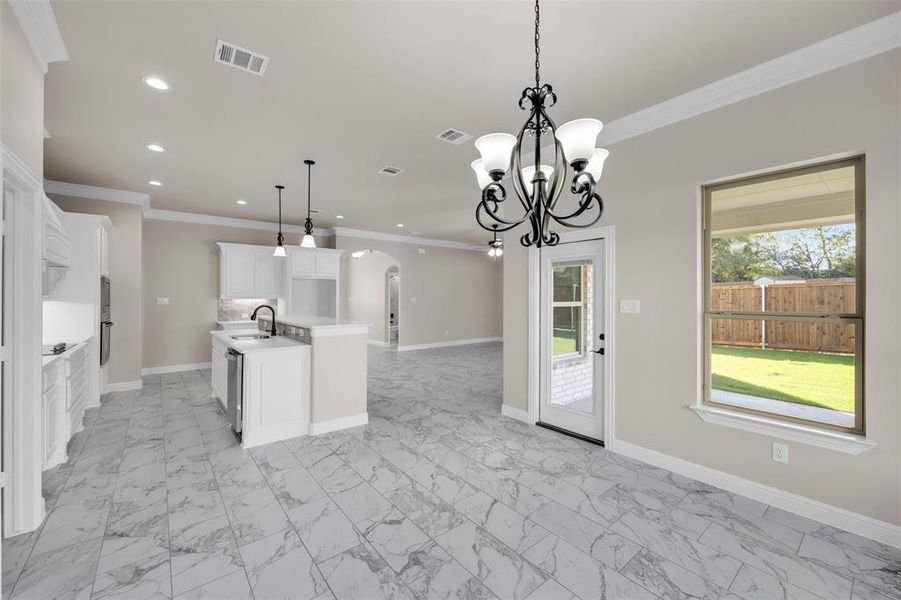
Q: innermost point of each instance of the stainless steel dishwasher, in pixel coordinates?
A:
(235, 392)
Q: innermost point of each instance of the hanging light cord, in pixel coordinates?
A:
(537, 40)
(280, 238)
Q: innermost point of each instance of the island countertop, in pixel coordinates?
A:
(278, 342)
(322, 326)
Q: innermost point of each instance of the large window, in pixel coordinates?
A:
(783, 297)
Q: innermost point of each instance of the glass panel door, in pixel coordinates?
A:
(572, 338)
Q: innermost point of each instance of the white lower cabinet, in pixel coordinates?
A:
(53, 415)
(277, 395)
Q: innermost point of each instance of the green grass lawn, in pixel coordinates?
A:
(564, 342)
(813, 378)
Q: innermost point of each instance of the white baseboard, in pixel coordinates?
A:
(516, 413)
(123, 386)
(336, 424)
(451, 343)
(176, 368)
(869, 527)
(378, 343)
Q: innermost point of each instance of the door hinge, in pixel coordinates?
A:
(3, 479)
(2, 353)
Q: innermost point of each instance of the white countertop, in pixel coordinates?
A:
(278, 342)
(46, 360)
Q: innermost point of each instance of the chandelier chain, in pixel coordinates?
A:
(537, 49)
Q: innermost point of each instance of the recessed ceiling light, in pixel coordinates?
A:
(400, 224)
(242, 202)
(155, 182)
(339, 216)
(155, 82)
(155, 148)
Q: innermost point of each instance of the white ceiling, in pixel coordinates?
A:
(360, 85)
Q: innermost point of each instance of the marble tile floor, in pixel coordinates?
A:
(438, 497)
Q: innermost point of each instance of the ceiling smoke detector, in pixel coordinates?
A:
(391, 171)
(240, 58)
(453, 136)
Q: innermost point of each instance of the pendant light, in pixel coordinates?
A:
(538, 186)
(308, 241)
(280, 239)
(495, 246)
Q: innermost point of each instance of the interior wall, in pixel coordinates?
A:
(365, 293)
(651, 191)
(125, 281)
(21, 94)
(446, 294)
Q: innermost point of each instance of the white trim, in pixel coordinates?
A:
(378, 343)
(847, 520)
(76, 190)
(451, 343)
(176, 368)
(13, 165)
(203, 219)
(40, 29)
(786, 430)
(404, 239)
(608, 234)
(123, 386)
(876, 37)
(516, 413)
(338, 424)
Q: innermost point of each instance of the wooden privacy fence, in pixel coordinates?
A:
(818, 296)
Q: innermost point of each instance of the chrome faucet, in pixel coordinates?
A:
(253, 317)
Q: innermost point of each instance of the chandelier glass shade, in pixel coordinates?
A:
(308, 240)
(495, 246)
(538, 187)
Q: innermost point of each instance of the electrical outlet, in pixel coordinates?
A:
(413, 299)
(780, 453)
(162, 301)
(422, 250)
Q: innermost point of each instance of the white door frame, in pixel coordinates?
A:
(607, 233)
(22, 433)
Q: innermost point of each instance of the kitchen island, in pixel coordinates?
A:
(309, 378)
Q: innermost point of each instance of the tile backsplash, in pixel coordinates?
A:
(239, 310)
(298, 333)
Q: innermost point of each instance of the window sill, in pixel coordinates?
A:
(803, 434)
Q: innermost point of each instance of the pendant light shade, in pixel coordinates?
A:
(308, 240)
(280, 239)
(578, 138)
(482, 176)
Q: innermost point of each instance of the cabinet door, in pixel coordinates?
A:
(240, 273)
(104, 252)
(327, 266)
(219, 375)
(303, 264)
(268, 274)
(49, 417)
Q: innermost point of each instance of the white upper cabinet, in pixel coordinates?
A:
(250, 272)
(327, 265)
(303, 263)
(57, 245)
(104, 252)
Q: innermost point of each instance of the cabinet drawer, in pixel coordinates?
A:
(49, 375)
(76, 361)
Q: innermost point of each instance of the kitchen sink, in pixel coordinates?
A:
(250, 336)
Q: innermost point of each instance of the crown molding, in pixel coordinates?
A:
(403, 239)
(203, 219)
(11, 164)
(39, 26)
(76, 190)
(876, 37)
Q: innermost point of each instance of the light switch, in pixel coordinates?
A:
(162, 301)
(422, 250)
(413, 299)
(629, 306)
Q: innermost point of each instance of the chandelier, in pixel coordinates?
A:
(538, 186)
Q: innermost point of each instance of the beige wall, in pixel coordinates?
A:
(181, 263)
(651, 189)
(456, 291)
(21, 94)
(125, 281)
(364, 290)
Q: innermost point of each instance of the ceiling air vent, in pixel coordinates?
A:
(452, 136)
(241, 58)
(391, 171)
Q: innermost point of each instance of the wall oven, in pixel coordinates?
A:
(105, 323)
